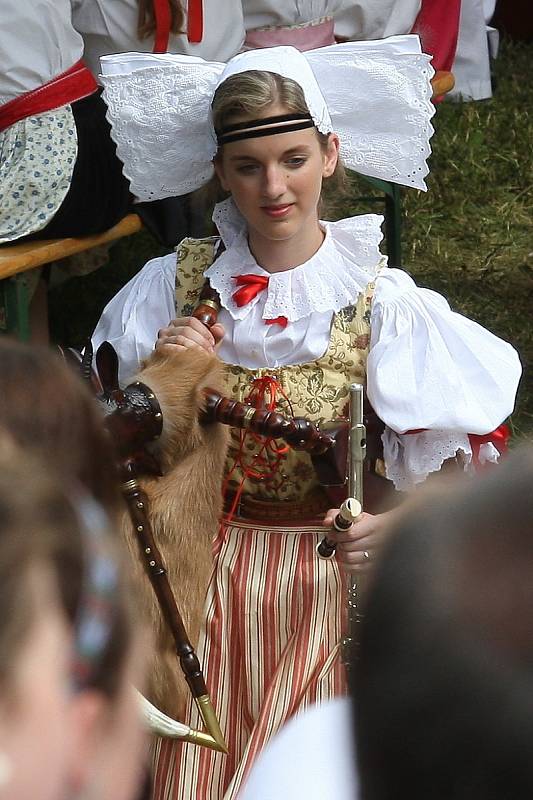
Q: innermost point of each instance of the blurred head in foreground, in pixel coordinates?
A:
(49, 412)
(35, 639)
(49, 425)
(444, 680)
(69, 650)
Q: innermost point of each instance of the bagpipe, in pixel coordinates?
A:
(169, 431)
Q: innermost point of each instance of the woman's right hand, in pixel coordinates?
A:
(187, 332)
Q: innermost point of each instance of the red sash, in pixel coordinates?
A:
(74, 84)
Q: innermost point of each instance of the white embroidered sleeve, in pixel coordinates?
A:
(132, 318)
(434, 371)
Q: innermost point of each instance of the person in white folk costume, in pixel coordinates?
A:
(308, 307)
(307, 24)
(59, 174)
(196, 28)
(112, 26)
(476, 44)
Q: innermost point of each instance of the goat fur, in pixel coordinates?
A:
(184, 506)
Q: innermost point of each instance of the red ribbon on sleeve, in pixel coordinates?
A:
(499, 438)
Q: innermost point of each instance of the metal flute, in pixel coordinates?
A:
(350, 510)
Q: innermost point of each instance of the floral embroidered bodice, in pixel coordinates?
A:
(317, 390)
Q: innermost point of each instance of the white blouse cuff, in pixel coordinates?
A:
(410, 457)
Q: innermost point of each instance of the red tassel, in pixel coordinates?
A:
(265, 464)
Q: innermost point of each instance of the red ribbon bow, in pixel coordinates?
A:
(251, 285)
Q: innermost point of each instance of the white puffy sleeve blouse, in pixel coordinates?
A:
(433, 376)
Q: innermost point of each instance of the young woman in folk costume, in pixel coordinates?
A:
(308, 307)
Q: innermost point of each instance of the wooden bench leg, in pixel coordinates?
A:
(14, 307)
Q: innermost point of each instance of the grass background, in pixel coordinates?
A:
(469, 237)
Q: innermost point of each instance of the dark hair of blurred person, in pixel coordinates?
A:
(47, 411)
(443, 685)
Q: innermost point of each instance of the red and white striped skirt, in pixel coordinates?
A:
(270, 647)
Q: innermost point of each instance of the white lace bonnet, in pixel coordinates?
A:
(374, 95)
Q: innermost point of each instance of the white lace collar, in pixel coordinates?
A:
(345, 263)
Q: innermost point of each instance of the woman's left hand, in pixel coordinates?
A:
(358, 547)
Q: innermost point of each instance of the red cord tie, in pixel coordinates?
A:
(265, 464)
(251, 285)
(283, 321)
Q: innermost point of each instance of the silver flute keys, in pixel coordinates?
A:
(350, 510)
(356, 460)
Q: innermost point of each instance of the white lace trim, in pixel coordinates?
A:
(385, 129)
(409, 458)
(161, 134)
(348, 259)
(375, 95)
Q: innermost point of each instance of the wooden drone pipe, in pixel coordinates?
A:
(298, 432)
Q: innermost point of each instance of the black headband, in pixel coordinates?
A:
(267, 126)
